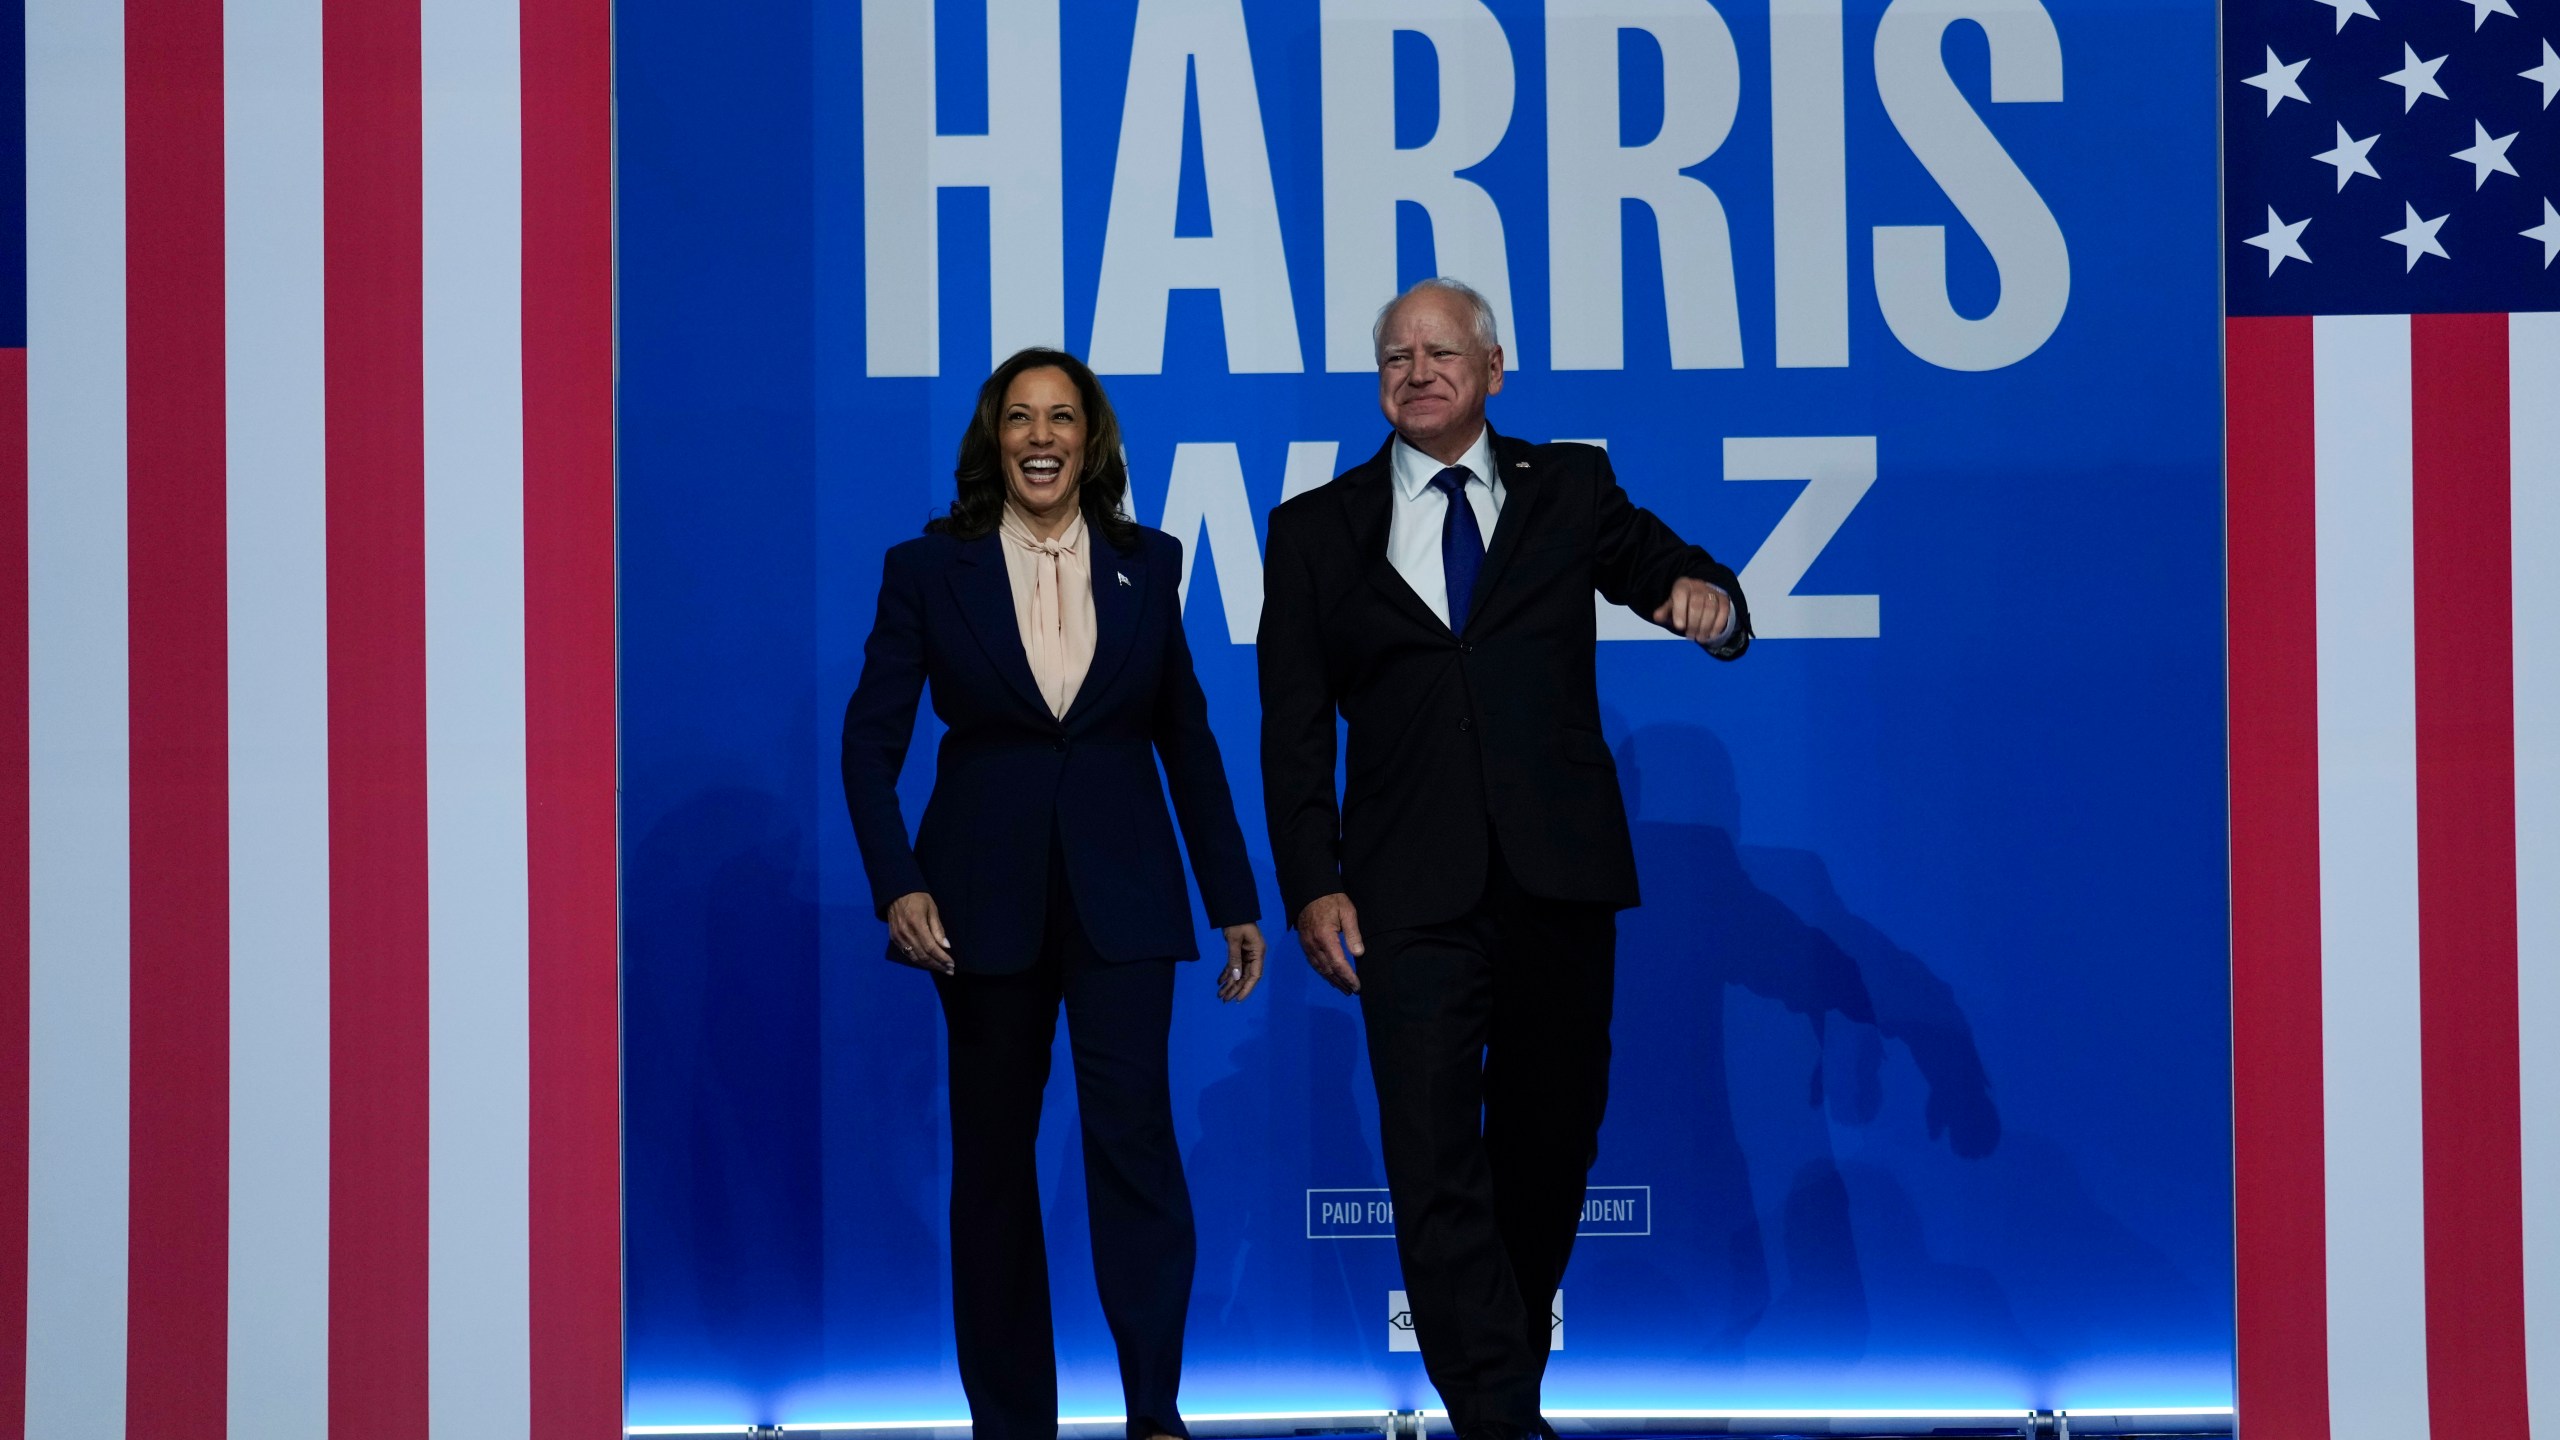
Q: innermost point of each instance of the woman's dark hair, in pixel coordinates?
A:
(1103, 477)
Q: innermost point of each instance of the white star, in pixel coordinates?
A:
(2548, 232)
(2349, 9)
(2282, 242)
(2349, 156)
(2546, 75)
(2280, 81)
(2415, 77)
(2417, 236)
(2481, 10)
(2486, 156)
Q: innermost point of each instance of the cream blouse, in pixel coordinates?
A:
(1053, 604)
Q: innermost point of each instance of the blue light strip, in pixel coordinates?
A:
(2145, 1412)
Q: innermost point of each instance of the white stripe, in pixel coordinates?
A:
(278, 636)
(79, 776)
(2533, 378)
(2368, 879)
(479, 1383)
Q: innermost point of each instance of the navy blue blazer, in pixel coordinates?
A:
(1010, 776)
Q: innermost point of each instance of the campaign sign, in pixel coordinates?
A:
(1907, 311)
(1371, 1214)
(1351, 1215)
(1617, 1210)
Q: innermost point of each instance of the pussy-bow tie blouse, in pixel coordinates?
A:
(1053, 604)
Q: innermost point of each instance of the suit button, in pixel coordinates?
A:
(1062, 747)
(1466, 647)
(1464, 723)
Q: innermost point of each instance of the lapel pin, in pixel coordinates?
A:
(1519, 464)
(1123, 578)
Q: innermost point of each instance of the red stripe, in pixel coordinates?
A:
(2467, 874)
(377, 723)
(2278, 1205)
(13, 894)
(176, 1285)
(576, 1219)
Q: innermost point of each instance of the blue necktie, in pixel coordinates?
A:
(1461, 544)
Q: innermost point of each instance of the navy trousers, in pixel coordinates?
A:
(1489, 1043)
(1001, 1028)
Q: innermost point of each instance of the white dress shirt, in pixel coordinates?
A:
(1422, 508)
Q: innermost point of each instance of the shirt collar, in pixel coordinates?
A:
(1413, 469)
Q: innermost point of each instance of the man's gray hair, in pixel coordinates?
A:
(1488, 331)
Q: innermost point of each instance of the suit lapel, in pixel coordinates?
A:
(1368, 501)
(985, 593)
(1520, 495)
(1119, 590)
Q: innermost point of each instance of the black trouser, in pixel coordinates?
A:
(1001, 1028)
(1489, 1042)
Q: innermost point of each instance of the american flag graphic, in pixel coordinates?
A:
(308, 1115)
(2393, 373)
(2391, 156)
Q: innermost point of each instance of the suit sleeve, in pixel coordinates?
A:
(878, 723)
(1637, 558)
(1297, 725)
(1196, 773)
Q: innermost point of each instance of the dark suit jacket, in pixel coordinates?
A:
(1456, 741)
(1010, 776)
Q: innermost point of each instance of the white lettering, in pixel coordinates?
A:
(904, 164)
(1206, 491)
(1310, 465)
(1143, 261)
(1841, 470)
(1589, 173)
(1987, 187)
(1808, 182)
(1365, 175)
(1836, 469)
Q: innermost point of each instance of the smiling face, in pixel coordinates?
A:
(1434, 372)
(1040, 432)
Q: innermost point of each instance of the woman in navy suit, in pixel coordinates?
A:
(1045, 871)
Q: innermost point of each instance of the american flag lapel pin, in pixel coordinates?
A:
(1124, 579)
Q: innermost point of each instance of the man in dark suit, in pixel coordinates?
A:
(1467, 885)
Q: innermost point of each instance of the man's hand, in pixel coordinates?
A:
(1327, 929)
(1244, 962)
(916, 934)
(1696, 609)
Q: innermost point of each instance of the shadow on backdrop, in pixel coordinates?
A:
(1773, 1252)
(1782, 1059)
(721, 1023)
(1309, 1047)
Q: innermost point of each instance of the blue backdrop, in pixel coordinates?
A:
(1986, 806)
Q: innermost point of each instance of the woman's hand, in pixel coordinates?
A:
(1244, 961)
(916, 936)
